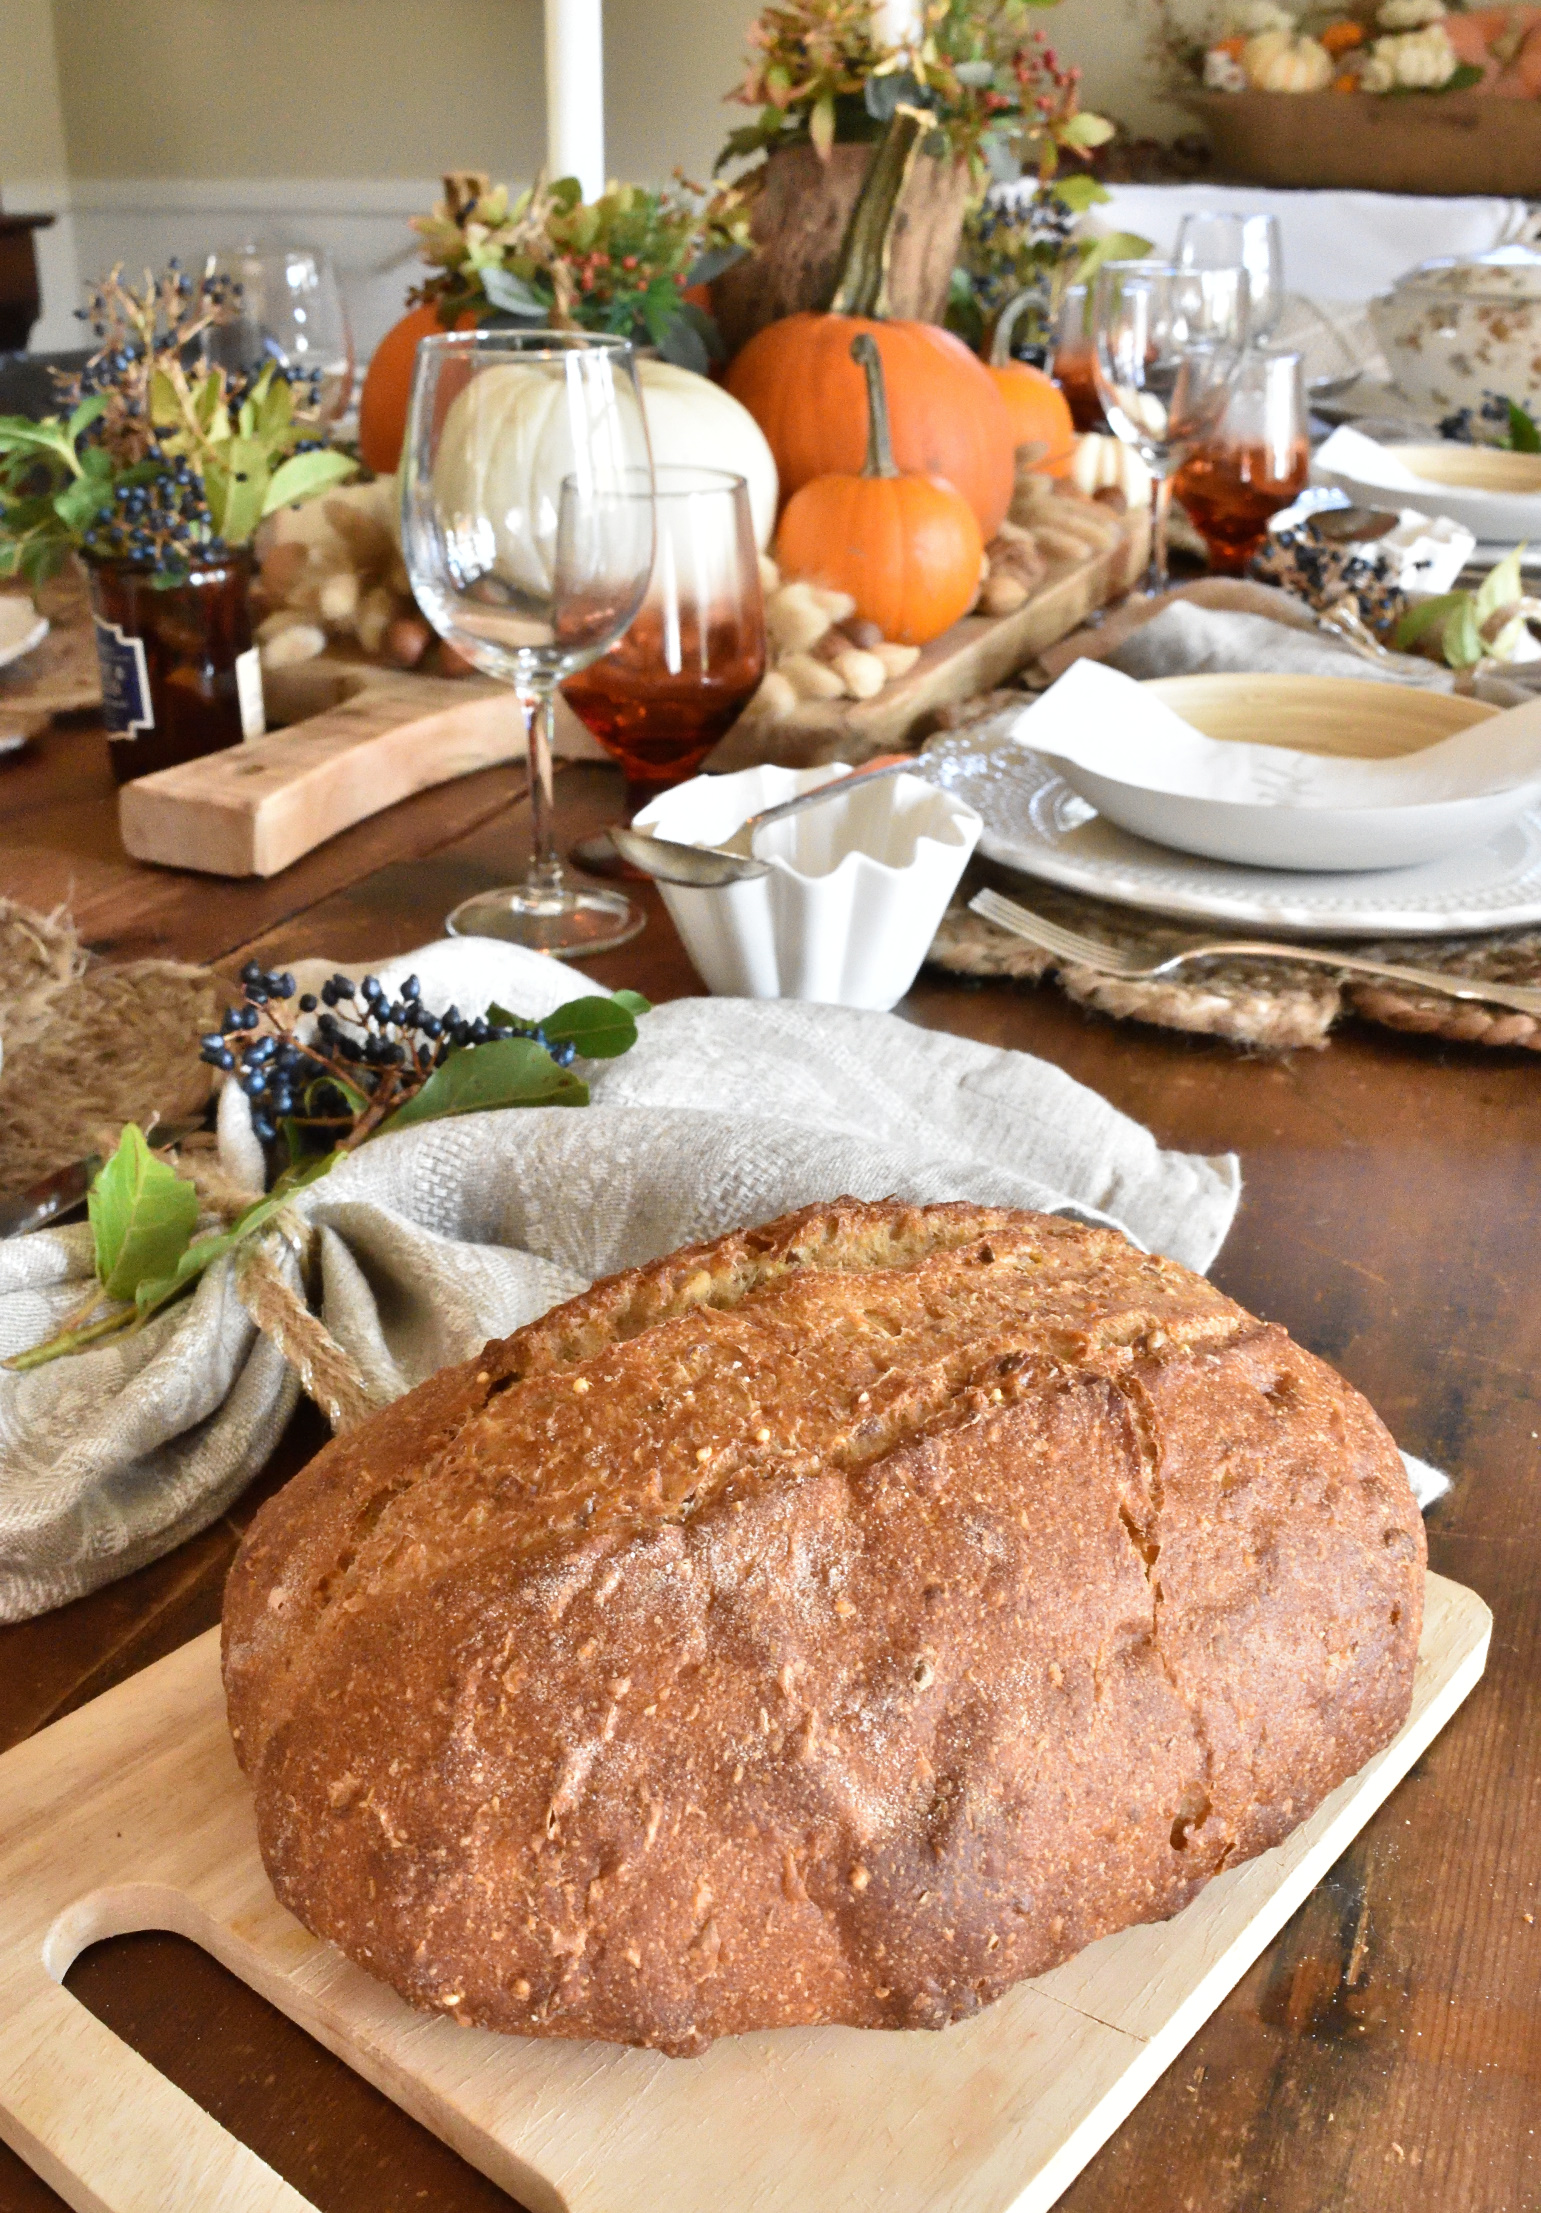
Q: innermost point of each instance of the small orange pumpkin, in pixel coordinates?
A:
(907, 548)
(382, 407)
(1040, 415)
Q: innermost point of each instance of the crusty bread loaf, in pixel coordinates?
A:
(837, 1622)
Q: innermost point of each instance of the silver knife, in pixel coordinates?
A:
(49, 1200)
(60, 1193)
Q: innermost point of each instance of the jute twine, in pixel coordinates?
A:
(1277, 1005)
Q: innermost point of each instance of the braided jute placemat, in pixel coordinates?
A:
(1272, 1004)
(89, 1047)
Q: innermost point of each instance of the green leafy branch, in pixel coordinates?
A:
(144, 1214)
(1468, 628)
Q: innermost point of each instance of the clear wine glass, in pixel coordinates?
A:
(1168, 342)
(1250, 242)
(289, 310)
(529, 549)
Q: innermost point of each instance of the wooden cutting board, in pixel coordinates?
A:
(132, 1814)
(359, 738)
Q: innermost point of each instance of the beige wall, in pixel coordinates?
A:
(405, 88)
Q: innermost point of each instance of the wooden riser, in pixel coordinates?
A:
(132, 1814)
(361, 738)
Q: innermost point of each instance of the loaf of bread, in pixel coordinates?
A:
(834, 1623)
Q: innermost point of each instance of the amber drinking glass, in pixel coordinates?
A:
(1074, 365)
(1254, 462)
(180, 676)
(694, 655)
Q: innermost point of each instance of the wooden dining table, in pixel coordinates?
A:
(1385, 2050)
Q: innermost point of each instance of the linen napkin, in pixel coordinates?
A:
(1095, 717)
(726, 1112)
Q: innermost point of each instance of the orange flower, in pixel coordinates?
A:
(1231, 46)
(1348, 82)
(1339, 37)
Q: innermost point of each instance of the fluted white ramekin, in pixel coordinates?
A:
(852, 897)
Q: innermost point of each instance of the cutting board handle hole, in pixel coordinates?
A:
(269, 2084)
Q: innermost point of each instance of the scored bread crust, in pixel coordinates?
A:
(836, 1622)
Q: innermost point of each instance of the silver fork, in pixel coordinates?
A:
(1107, 960)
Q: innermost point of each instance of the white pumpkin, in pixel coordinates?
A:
(1099, 460)
(693, 421)
(504, 453)
(1279, 62)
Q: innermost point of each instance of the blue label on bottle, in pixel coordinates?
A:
(126, 707)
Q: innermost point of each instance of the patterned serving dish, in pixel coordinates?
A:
(1455, 330)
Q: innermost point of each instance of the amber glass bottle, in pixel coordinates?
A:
(180, 676)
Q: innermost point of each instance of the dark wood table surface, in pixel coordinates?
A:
(1385, 2052)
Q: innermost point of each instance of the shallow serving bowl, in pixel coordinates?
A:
(1344, 718)
(1492, 492)
(851, 899)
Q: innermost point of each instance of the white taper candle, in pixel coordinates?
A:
(575, 93)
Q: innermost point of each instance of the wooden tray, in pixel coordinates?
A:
(972, 657)
(132, 1814)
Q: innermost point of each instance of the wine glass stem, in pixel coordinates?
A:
(544, 873)
(1160, 509)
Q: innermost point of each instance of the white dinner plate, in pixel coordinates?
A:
(1035, 822)
(21, 627)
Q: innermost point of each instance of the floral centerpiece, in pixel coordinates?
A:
(1395, 46)
(623, 263)
(158, 470)
(826, 80)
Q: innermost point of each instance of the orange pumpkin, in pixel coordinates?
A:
(799, 382)
(906, 547)
(1040, 415)
(382, 407)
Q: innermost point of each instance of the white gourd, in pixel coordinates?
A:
(1099, 461)
(1279, 62)
(504, 453)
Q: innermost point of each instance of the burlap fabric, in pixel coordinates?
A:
(1275, 1005)
(86, 1048)
(423, 1245)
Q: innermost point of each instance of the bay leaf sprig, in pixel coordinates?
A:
(320, 1084)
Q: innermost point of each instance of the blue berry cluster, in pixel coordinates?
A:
(382, 1049)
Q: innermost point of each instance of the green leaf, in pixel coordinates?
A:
(632, 1001)
(275, 409)
(1085, 130)
(142, 1215)
(79, 503)
(511, 1071)
(1429, 614)
(513, 295)
(1462, 640)
(85, 414)
(236, 486)
(304, 476)
(1080, 192)
(600, 1028)
(1117, 246)
(1502, 585)
(1524, 437)
(154, 1291)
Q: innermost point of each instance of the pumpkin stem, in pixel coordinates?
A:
(880, 444)
(1011, 314)
(861, 277)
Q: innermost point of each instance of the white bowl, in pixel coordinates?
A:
(852, 897)
(1311, 715)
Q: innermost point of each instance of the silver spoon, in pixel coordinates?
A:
(708, 866)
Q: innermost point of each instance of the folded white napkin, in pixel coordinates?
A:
(726, 1112)
(1099, 719)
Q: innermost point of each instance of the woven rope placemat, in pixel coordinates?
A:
(87, 1049)
(1273, 1004)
